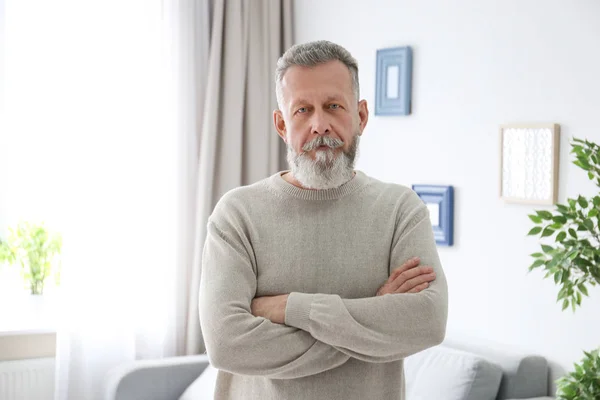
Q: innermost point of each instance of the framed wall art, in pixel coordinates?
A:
(529, 163)
(393, 81)
(440, 202)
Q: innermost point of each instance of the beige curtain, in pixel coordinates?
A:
(238, 143)
(189, 30)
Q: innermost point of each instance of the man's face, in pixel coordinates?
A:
(320, 119)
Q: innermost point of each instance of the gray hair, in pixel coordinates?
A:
(311, 54)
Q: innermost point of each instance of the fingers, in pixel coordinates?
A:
(413, 262)
(404, 281)
(418, 288)
(408, 278)
(415, 282)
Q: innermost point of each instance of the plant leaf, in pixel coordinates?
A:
(544, 214)
(547, 232)
(582, 289)
(559, 219)
(547, 249)
(583, 163)
(535, 219)
(558, 276)
(536, 264)
(535, 231)
(562, 293)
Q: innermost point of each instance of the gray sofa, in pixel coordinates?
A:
(453, 370)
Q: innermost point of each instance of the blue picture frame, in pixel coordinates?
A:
(441, 199)
(393, 85)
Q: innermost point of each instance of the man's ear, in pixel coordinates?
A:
(279, 123)
(363, 115)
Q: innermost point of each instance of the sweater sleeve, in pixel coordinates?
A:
(237, 341)
(384, 328)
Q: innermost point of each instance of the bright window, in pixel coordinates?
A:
(85, 139)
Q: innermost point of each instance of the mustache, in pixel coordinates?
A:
(330, 142)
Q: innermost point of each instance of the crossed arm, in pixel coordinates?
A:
(303, 334)
(409, 278)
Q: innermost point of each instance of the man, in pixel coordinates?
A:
(292, 304)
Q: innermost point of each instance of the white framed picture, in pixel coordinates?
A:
(529, 163)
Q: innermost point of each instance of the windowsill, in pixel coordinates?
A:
(27, 345)
(27, 332)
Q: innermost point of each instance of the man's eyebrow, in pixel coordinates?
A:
(328, 99)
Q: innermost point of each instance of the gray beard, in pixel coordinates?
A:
(328, 170)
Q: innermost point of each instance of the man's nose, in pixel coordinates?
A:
(320, 123)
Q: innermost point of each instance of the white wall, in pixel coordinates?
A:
(478, 65)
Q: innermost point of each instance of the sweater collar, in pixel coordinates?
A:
(358, 181)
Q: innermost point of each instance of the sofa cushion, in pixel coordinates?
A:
(442, 372)
(203, 387)
(524, 375)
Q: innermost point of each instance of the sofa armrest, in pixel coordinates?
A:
(162, 379)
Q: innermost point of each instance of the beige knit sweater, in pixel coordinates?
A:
(331, 250)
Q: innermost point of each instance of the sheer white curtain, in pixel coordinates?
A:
(189, 24)
(130, 97)
(119, 185)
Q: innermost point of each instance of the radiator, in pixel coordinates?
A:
(27, 379)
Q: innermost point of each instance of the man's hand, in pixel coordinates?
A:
(270, 307)
(409, 278)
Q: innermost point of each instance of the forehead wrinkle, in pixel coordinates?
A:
(328, 98)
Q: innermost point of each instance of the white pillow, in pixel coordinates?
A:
(203, 388)
(441, 372)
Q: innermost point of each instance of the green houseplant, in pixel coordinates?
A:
(36, 250)
(570, 255)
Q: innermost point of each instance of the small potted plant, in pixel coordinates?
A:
(35, 249)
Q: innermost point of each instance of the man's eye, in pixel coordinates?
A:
(302, 110)
(334, 106)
